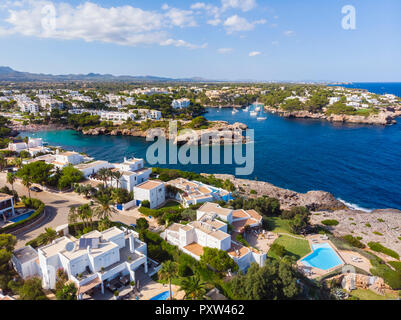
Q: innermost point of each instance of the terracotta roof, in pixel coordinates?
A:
(149, 185)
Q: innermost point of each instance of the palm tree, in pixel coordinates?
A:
(3, 163)
(102, 173)
(73, 216)
(85, 213)
(50, 235)
(117, 175)
(104, 207)
(26, 140)
(11, 180)
(194, 288)
(26, 181)
(168, 271)
(18, 162)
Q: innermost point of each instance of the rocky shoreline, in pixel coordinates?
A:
(223, 129)
(313, 200)
(384, 117)
(18, 127)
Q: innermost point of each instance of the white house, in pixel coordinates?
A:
(91, 168)
(25, 262)
(93, 260)
(180, 103)
(63, 159)
(133, 173)
(194, 192)
(152, 190)
(210, 231)
(6, 206)
(34, 146)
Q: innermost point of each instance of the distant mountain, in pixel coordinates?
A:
(11, 75)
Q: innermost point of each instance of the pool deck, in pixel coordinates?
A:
(313, 272)
(349, 258)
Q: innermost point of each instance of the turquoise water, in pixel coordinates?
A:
(161, 296)
(22, 217)
(358, 164)
(322, 257)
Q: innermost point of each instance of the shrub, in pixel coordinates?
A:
(252, 192)
(330, 222)
(378, 247)
(145, 203)
(353, 241)
(278, 249)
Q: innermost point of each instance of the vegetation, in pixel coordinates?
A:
(330, 222)
(219, 260)
(295, 248)
(168, 271)
(274, 281)
(378, 247)
(353, 241)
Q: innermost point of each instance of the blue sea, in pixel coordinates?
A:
(358, 164)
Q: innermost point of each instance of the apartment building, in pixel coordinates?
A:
(181, 103)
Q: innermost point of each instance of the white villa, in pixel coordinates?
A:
(34, 146)
(181, 103)
(210, 231)
(153, 190)
(92, 261)
(133, 173)
(194, 192)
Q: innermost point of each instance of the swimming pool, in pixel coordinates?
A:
(162, 296)
(322, 257)
(22, 216)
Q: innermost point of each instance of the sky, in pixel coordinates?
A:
(261, 40)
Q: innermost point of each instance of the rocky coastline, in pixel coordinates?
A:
(384, 117)
(220, 128)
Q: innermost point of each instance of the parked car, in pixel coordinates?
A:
(35, 189)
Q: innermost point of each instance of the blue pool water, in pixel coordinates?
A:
(322, 257)
(161, 296)
(22, 217)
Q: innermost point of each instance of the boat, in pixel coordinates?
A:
(234, 111)
(261, 116)
(253, 113)
(245, 109)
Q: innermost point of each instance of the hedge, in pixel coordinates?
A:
(353, 241)
(36, 204)
(331, 222)
(378, 247)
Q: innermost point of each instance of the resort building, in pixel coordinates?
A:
(91, 261)
(181, 103)
(6, 206)
(194, 192)
(210, 231)
(153, 191)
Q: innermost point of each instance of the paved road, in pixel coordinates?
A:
(57, 207)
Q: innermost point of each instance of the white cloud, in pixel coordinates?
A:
(214, 22)
(224, 50)
(244, 5)
(254, 53)
(124, 25)
(289, 33)
(236, 23)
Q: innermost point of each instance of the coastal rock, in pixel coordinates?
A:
(384, 117)
(313, 200)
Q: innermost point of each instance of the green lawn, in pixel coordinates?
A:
(365, 294)
(278, 225)
(294, 247)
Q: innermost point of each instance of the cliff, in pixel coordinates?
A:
(313, 200)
